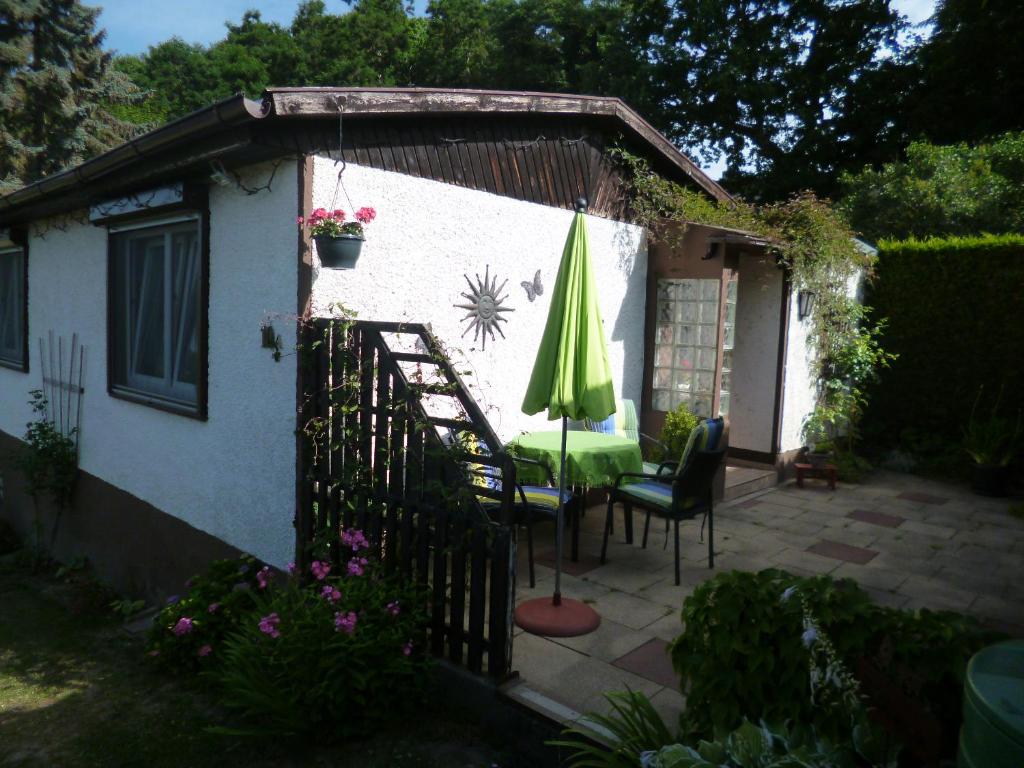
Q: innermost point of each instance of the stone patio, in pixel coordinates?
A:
(909, 542)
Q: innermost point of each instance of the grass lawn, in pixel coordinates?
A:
(75, 691)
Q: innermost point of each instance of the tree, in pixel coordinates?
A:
(940, 191)
(57, 89)
(768, 85)
(969, 75)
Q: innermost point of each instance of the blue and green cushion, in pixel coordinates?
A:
(623, 423)
(650, 491)
(540, 498)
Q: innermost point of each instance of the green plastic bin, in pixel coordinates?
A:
(992, 735)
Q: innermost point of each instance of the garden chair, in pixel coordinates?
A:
(677, 491)
(532, 503)
(624, 423)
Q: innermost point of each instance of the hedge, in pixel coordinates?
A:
(954, 309)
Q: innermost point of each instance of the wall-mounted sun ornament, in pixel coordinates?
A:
(484, 307)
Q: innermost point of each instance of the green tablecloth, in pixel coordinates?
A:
(593, 459)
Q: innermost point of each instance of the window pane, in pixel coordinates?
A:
(185, 341)
(11, 308)
(146, 307)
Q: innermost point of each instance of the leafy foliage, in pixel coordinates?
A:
(215, 603)
(941, 191)
(678, 426)
(745, 653)
(947, 313)
(329, 660)
(992, 440)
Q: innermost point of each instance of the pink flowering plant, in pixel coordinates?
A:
(328, 654)
(324, 223)
(189, 632)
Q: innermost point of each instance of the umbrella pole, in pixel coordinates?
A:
(560, 520)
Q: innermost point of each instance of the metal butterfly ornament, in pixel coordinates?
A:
(534, 289)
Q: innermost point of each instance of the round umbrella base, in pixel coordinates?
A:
(569, 618)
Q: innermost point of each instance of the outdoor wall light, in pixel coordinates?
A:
(804, 303)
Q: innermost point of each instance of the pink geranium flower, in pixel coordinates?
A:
(355, 539)
(183, 627)
(293, 569)
(213, 607)
(330, 593)
(205, 650)
(263, 577)
(320, 569)
(268, 625)
(393, 608)
(407, 648)
(345, 622)
(357, 566)
(365, 215)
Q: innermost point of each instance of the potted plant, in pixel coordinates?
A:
(820, 428)
(992, 442)
(338, 242)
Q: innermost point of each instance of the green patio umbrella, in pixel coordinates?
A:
(571, 377)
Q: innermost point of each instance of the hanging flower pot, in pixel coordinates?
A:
(338, 251)
(338, 242)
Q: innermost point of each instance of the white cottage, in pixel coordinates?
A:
(167, 261)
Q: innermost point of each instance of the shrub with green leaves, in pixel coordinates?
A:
(742, 654)
(188, 634)
(329, 660)
(678, 426)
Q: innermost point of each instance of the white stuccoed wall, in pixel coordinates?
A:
(800, 391)
(428, 234)
(232, 476)
(755, 354)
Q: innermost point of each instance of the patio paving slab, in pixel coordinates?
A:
(629, 609)
(841, 551)
(669, 703)
(922, 498)
(608, 642)
(650, 661)
(586, 563)
(929, 529)
(876, 518)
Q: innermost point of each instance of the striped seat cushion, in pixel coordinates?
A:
(623, 423)
(651, 492)
(537, 497)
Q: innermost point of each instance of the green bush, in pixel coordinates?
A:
(953, 307)
(188, 634)
(330, 660)
(742, 652)
(678, 426)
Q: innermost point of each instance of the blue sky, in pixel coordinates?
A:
(134, 25)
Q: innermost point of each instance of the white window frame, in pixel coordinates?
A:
(15, 294)
(167, 391)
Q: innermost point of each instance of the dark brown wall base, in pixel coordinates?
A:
(133, 546)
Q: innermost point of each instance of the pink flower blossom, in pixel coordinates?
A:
(268, 625)
(318, 213)
(338, 214)
(300, 221)
(293, 569)
(330, 593)
(357, 566)
(407, 648)
(183, 627)
(365, 215)
(263, 577)
(320, 570)
(213, 607)
(393, 608)
(205, 650)
(355, 539)
(345, 622)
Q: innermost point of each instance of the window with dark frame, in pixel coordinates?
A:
(13, 333)
(156, 313)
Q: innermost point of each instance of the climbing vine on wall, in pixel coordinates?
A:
(816, 245)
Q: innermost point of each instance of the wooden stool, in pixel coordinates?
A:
(827, 472)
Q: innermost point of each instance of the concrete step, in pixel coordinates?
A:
(739, 481)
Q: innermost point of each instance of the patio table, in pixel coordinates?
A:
(592, 460)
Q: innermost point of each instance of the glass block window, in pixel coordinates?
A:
(686, 345)
(729, 334)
